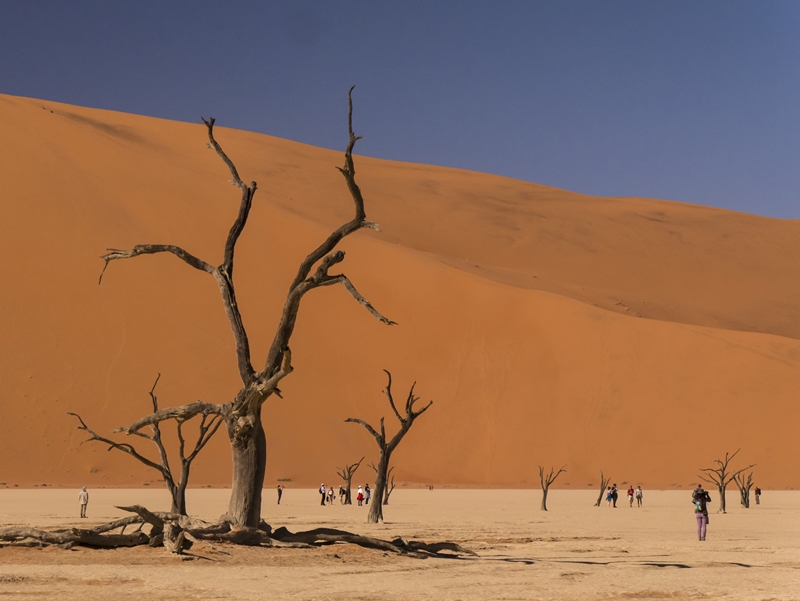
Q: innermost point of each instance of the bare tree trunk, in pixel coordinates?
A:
(389, 485)
(387, 448)
(603, 484)
(346, 473)
(249, 465)
(546, 480)
(722, 477)
(243, 415)
(375, 514)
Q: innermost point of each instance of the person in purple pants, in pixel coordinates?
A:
(701, 499)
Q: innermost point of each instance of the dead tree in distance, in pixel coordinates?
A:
(209, 424)
(242, 415)
(346, 473)
(389, 482)
(721, 476)
(386, 449)
(744, 484)
(547, 480)
(603, 484)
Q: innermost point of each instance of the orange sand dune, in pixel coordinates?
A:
(516, 305)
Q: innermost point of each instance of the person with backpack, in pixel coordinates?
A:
(701, 499)
(614, 494)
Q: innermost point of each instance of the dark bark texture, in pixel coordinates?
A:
(603, 484)
(386, 448)
(346, 473)
(208, 425)
(721, 476)
(546, 480)
(242, 416)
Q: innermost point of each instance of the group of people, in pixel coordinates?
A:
(700, 498)
(612, 494)
(328, 494)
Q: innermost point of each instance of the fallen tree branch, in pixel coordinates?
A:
(177, 533)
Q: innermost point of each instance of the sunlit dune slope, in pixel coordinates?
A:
(517, 307)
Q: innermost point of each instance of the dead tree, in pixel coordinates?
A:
(547, 480)
(603, 484)
(721, 476)
(389, 482)
(242, 415)
(346, 473)
(387, 448)
(744, 484)
(209, 424)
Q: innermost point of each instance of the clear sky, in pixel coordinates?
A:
(685, 100)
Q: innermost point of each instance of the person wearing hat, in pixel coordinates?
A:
(83, 499)
(322, 491)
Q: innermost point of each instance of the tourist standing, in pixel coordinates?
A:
(280, 493)
(360, 495)
(341, 494)
(701, 499)
(614, 494)
(758, 496)
(609, 496)
(630, 495)
(331, 495)
(639, 495)
(322, 491)
(83, 499)
(367, 494)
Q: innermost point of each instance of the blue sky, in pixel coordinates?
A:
(692, 101)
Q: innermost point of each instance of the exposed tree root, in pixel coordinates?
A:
(177, 533)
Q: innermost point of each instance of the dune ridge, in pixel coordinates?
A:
(642, 337)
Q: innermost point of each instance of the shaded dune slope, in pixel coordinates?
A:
(518, 307)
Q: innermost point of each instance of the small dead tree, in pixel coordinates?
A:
(209, 424)
(387, 448)
(547, 480)
(744, 484)
(389, 482)
(721, 476)
(242, 415)
(603, 484)
(346, 473)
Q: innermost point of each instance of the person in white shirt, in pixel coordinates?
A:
(83, 499)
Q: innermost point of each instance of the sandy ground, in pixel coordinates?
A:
(574, 551)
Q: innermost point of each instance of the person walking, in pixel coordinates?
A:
(367, 494)
(609, 496)
(614, 494)
(630, 495)
(360, 495)
(322, 491)
(701, 499)
(83, 499)
(280, 493)
(758, 496)
(639, 495)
